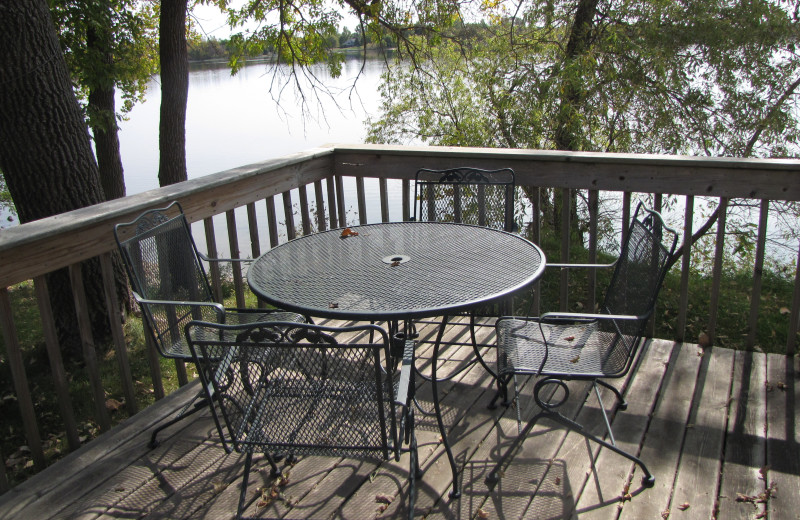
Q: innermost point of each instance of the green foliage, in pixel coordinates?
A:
(6, 204)
(653, 76)
(108, 43)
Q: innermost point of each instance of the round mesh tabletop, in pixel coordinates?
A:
(401, 270)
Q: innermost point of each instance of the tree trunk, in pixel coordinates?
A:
(104, 121)
(45, 150)
(174, 92)
(568, 123)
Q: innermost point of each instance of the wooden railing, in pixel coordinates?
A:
(314, 182)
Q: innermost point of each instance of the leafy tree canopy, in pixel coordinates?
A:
(698, 77)
(91, 31)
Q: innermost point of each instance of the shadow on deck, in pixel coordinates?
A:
(717, 428)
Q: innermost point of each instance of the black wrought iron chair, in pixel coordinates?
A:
(305, 389)
(170, 285)
(561, 347)
(468, 196)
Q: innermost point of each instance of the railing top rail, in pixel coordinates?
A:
(54, 242)
(773, 179)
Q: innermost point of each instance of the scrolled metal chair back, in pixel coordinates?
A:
(162, 262)
(296, 388)
(466, 195)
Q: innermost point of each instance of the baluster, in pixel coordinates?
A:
(791, 342)
(117, 334)
(362, 201)
(384, 198)
(340, 203)
(288, 213)
(272, 221)
(236, 268)
(21, 385)
(716, 272)
(683, 306)
(406, 199)
(594, 205)
(333, 206)
(89, 351)
(758, 272)
(252, 225)
(321, 225)
(565, 243)
(211, 247)
(305, 216)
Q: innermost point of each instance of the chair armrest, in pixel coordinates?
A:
(173, 303)
(578, 316)
(582, 266)
(401, 398)
(234, 260)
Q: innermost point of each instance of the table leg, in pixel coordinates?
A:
(456, 492)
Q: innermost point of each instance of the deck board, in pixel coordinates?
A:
(706, 424)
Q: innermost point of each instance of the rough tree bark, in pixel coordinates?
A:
(174, 92)
(45, 151)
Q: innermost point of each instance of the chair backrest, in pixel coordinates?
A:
(298, 388)
(162, 262)
(466, 195)
(639, 272)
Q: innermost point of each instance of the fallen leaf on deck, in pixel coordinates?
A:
(558, 481)
(384, 499)
(482, 513)
(665, 514)
(112, 405)
(785, 310)
(781, 385)
(219, 487)
(684, 506)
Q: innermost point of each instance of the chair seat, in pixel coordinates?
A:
(573, 350)
(180, 348)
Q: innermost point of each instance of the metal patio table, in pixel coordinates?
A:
(397, 272)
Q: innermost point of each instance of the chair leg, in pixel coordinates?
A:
(248, 461)
(622, 404)
(414, 474)
(185, 412)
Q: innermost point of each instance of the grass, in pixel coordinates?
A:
(731, 329)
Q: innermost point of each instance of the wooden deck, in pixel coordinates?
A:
(718, 429)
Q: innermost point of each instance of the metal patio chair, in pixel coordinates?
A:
(305, 389)
(469, 196)
(170, 285)
(562, 347)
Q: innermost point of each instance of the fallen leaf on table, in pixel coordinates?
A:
(347, 232)
(569, 338)
(575, 359)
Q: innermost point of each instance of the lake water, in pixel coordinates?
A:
(236, 120)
